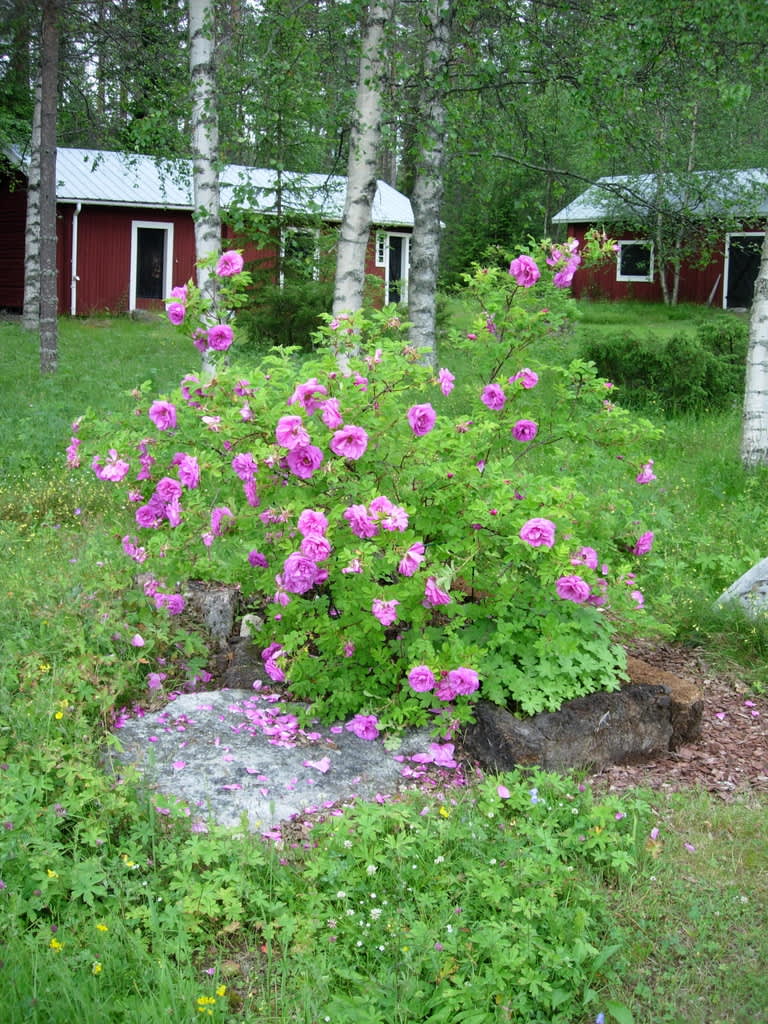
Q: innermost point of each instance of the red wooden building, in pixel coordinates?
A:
(126, 235)
(618, 205)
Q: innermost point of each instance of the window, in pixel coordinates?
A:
(635, 262)
(381, 249)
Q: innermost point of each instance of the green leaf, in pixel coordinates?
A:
(620, 1013)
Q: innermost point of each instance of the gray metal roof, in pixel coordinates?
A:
(702, 192)
(124, 179)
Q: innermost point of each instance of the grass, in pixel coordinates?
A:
(465, 906)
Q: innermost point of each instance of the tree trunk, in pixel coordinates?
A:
(205, 150)
(363, 164)
(754, 436)
(31, 312)
(427, 191)
(49, 57)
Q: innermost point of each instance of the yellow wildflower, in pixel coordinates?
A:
(102, 927)
(96, 968)
(56, 946)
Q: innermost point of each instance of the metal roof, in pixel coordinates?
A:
(621, 197)
(104, 177)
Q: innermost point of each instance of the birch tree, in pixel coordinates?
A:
(362, 166)
(427, 193)
(205, 147)
(754, 437)
(49, 74)
(31, 310)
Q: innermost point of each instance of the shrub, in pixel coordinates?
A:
(286, 315)
(684, 373)
(407, 560)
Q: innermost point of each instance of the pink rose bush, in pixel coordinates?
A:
(396, 582)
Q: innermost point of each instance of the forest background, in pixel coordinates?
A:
(535, 100)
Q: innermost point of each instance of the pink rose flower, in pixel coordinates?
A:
(585, 556)
(434, 595)
(179, 292)
(411, 560)
(315, 546)
(360, 522)
(527, 378)
(244, 465)
(446, 380)
(163, 415)
(220, 337)
(538, 533)
(385, 611)
(188, 469)
(463, 681)
(573, 588)
(644, 544)
(331, 414)
(365, 727)
(493, 397)
(306, 394)
(422, 419)
(229, 263)
(350, 442)
(421, 679)
(175, 312)
(312, 521)
(290, 432)
(299, 574)
(524, 271)
(646, 473)
(525, 430)
(304, 460)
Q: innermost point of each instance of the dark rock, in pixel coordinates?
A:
(655, 713)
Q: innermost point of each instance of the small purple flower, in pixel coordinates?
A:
(646, 473)
(257, 559)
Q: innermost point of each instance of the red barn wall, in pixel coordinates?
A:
(696, 283)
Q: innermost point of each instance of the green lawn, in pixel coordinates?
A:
(456, 907)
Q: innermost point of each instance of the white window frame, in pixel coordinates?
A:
(635, 277)
(727, 261)
(157, 225)
(382, 248)
(312, 233)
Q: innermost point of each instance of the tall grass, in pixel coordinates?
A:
(109, 912)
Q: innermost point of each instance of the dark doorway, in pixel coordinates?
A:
(150, 262)
(743, 265)
(395, 268)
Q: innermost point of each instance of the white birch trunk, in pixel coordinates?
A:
(31, 312)
(362, 167)
(427, 194)
(205, 149)
(49, 78)
(754, 435)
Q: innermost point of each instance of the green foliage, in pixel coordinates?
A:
(680, 374)
(425, 548)
(286, 315)
(404, 919)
